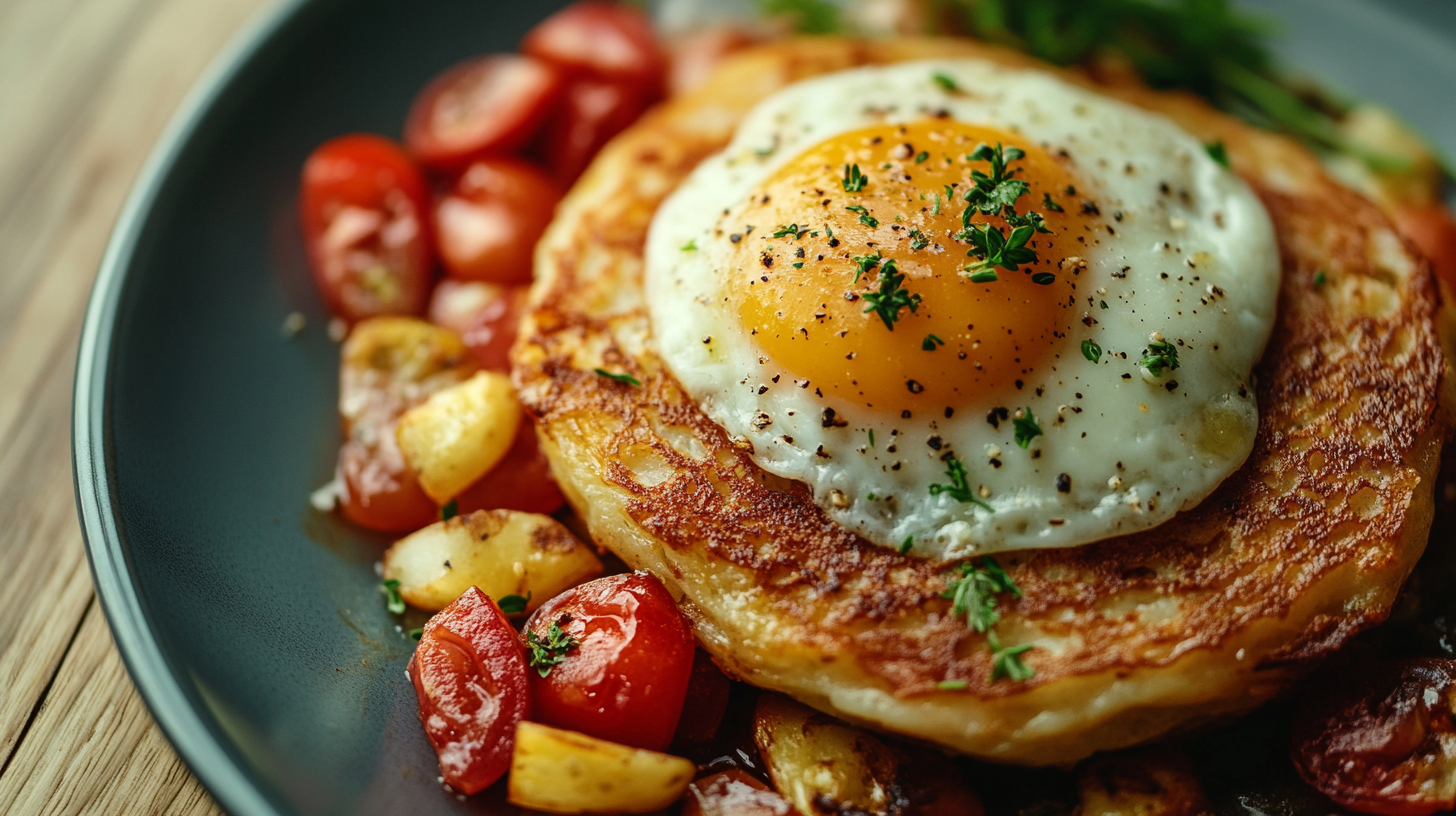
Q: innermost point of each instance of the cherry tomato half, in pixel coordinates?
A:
(625, 673)
(483, 106)
(1377, 741)
(485, 315)
(389, 365)
(608, 40)
(1431, 228)
(363, 208)
(521, 481)
(487, 227)
(470, 677)
(591, 112)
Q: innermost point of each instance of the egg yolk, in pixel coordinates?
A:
(853, 264)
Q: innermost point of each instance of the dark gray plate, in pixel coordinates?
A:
(251, 624)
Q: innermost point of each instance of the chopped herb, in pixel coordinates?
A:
(944, 80)
(1031, 219)
(907, 544)
(936, 209)
(958, 489)
(392, 601)
(853, 180)
(930, 342)
(1320, 278)
(1104, 303)
(864, 216)
(974, 593)
(1043, 278)
(1091, 350)
(514, 604)
(995, 249)
(918, 241)
(1046, 201)
(450, 510)
(1024, 427)
(621, 378)
(952, 685)
(690, 246)
(921, 157)
(416, 634)
(808, 16)
(872, 437)
(864, 264)
(789, 231)
(1218, 153)
(999, 190)
(1006, 660)
(1159, 356)
(548, 651)
(984, 276)
(892, 297)
(798, 264)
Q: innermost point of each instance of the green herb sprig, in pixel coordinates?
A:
(1160, 356)
(973, 594)
(392, 600)
(853, 181)
(1024, 428)
(892, 297)
(958, 489)
(549, 651)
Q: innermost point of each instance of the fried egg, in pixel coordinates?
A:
(974, 308)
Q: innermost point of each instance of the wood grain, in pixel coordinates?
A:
(86, 87)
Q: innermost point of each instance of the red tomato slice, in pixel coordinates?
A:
(487, 227)
(608, 40)
(470, 677)
(592, 111)
(1432, 229)
(626, 673)
(1378, 742)
(363, 206)
(485, 316)
(380, 491)
(707, 701)
(487, 105)
(521, 481)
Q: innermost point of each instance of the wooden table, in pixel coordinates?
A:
(86, 87)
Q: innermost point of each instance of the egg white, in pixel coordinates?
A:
(1192, 257)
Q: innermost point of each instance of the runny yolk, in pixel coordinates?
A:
(798, 294)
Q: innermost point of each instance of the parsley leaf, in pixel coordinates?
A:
(958, 489)
(548, 651)
(984, 276)
(995, 249)
(392, 601)
(930, 342)
(790, 231)
(1046, 201)
(1091, 350)
(627, 379)
(416, 634)
(907, 544)
(1218, 153)
(1006, 660)
(974, 593)
(999, 190)
(921, 157)
(918, 241)
(865, 264)
(1159, 356)
(1024, 427)
(853, 180)
(864, 216)
(690, 246)
(450, 510)
(945, 81)
(514, 604)
(892, 297)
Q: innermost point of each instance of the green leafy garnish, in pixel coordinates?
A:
(995, 249)
(944, 80)
(974, 593)
(1006, 660)
(952, 685)
(628, 379)
(1218, 153)
(1159, 356)
(548, 651)
(1320, 278)
(450, 510)
(864, 216)
(514, 604)
(892, 297)
(690, 246)
(997, 191)
(1043, 279)
(808, 16)
(984, 276)
(392, 601)
(907, 544)
(416, 634)
(1024, 427)
(789, 231)
(930, 342)
(958, 489)
(1091, 350)
(872, 437)
(921, 157)
(918, 241)
(1046, 201)
(853, 180)
(864, 264)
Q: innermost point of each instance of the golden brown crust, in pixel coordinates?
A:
(1306, 545)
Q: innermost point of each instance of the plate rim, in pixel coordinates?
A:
(186, 728)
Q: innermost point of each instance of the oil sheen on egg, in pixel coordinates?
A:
(817, 288)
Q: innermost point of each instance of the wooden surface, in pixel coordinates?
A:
(86, 87)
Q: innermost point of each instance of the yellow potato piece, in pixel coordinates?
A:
(565, 772)
(820, 764)
(503, 552)
(460, 433)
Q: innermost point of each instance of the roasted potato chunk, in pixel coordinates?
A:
(565, 772)
(822, 765)
(503, 552)
(459, 433)
(1148, 782)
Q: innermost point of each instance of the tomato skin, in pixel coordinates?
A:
(485, 315)
(486, 228)
(626, 678)
(1372, 740)
(591, 112)
(706, 702)
(604, 39)
(363, 208)
(1432, 228)
(521, 481)
(484, 106)
(380, 491)
(470, 677)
